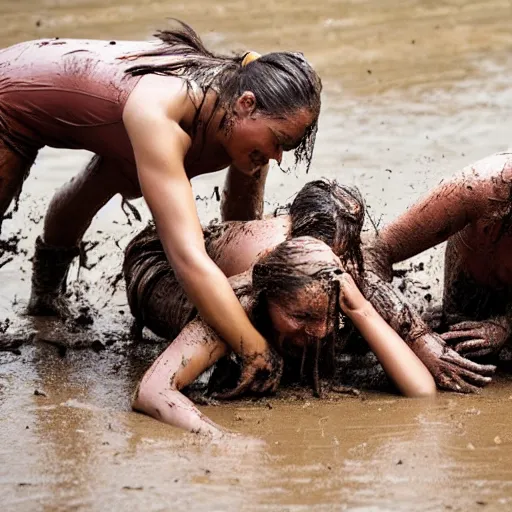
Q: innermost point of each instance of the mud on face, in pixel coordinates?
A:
(295, 282)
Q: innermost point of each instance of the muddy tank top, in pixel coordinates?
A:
(66, 94)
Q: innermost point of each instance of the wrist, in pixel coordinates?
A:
(501, 321)
(364, 310)
(250, 345)
(252, 348)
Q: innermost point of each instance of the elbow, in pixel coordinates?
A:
(189, 263)
(148, 399)
(141, 399)
(426, 389)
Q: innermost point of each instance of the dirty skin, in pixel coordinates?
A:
(473, 212)
(446, 365)
(450, 370)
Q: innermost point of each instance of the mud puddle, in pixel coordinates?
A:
(413, 91)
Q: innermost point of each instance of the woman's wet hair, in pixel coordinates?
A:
(332, 213)
(291, 266)
(283, 83)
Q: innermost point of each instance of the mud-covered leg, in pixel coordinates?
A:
(13, 170)
(69, 215)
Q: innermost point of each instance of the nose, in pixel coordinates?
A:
(317, 330)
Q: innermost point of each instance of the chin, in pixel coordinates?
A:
(245, 166)
(247, 169)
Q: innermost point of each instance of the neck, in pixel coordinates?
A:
(204, 123)
(209, 117)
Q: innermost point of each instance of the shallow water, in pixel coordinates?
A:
(413, 91)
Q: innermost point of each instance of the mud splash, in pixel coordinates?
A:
(413, 91)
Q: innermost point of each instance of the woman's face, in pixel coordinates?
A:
(309, 314)
(255, 139)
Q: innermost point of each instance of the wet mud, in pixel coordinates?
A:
(412, 92)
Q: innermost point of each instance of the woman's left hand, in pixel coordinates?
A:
(478, 338)
(350, 298)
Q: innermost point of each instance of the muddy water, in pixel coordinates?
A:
(413, 91)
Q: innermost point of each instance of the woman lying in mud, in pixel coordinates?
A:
(473, 211)
(156, 114)
(294, 295)
(335, 215)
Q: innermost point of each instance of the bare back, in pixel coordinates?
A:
(241, 243)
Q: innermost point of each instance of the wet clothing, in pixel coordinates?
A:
(156, 298)
(66, 94)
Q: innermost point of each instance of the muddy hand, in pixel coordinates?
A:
(450, 370)
(350, 297)
(477, 339)
(261, 373)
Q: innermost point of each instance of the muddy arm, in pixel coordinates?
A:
(400, 363)
(449, 369)
(195, 349)
(160, 146)
(242, 197)
(473, 192)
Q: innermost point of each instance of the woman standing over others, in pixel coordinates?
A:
(156, 114)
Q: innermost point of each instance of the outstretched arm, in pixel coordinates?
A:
(160, 146)
(478, 190)
(195, 349)
(400, 363)
(450, 370)
(242, 197)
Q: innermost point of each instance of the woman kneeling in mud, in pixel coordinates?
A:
(156, 114)
(294, 295)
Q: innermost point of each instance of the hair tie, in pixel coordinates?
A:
(250, 57)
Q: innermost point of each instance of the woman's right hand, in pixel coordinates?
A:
(261, 373)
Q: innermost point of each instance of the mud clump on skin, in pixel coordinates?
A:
(10, 248)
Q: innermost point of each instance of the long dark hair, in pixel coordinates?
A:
(332, 213)
(282, 82)
(289, 267)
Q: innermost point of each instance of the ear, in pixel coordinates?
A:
(245, 105)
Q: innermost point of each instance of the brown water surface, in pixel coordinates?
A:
(413, 91)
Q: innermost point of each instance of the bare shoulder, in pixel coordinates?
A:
(489, 177)
(154, 117)
(496, 172)
(158, 96)
(498, 165)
